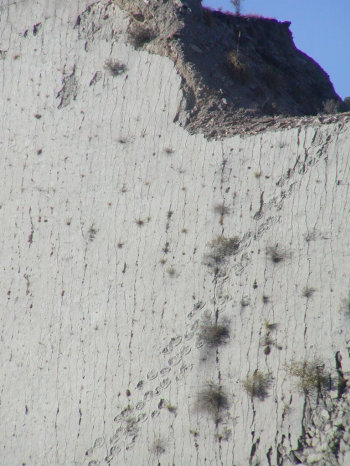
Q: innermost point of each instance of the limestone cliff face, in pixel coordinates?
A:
(167, 298)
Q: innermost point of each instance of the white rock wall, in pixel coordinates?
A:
(107, 212)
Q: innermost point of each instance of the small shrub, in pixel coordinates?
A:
(312, 375)
(172, 409)
(213, 334)
(92, 233)
(171, 272)
(221, 247)
(115, 67)
(221, 209)
(158, 446)
(308, 291)
(276, 255)
(270, 326)
(213, 400)
(238, 69)
(257, 385)
(140, 35)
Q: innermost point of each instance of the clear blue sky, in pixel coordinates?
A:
(321, 29)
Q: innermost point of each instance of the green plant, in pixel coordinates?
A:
(312, 375)
(257, 385)
(213, 400)
(213, 334)
(115, 67)
(239, 70)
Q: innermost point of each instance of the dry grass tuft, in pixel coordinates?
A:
(239, 70)
(221, 248)
(140, 35)
(257, 385)
(115, 67)
(312, 375)
(276, 254)
(213, 400)
(213, 334)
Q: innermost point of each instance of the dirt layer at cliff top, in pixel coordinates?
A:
(238, 73)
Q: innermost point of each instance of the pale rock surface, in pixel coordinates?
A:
(108, 209)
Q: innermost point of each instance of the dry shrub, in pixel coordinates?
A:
(257, 385)
(276, 254)
(239, 70)
(115, 67)
(140, 35)
(221, 248)
(213, 334)
(213, 400)
(312, 375)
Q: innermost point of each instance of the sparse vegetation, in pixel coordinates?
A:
(171, 272)
(213, 334)
(213, 400)
(158, 446)
(239, 70)
(221, 247)
(267, 341)
(308, 291)
(92, 232)
(312, 375)
(115, 67)
(172, 409)
(265, 299)
(140, 35)
(237, 6)
(276, 254)
(270, 326)
(257, 385)
(221, 209)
